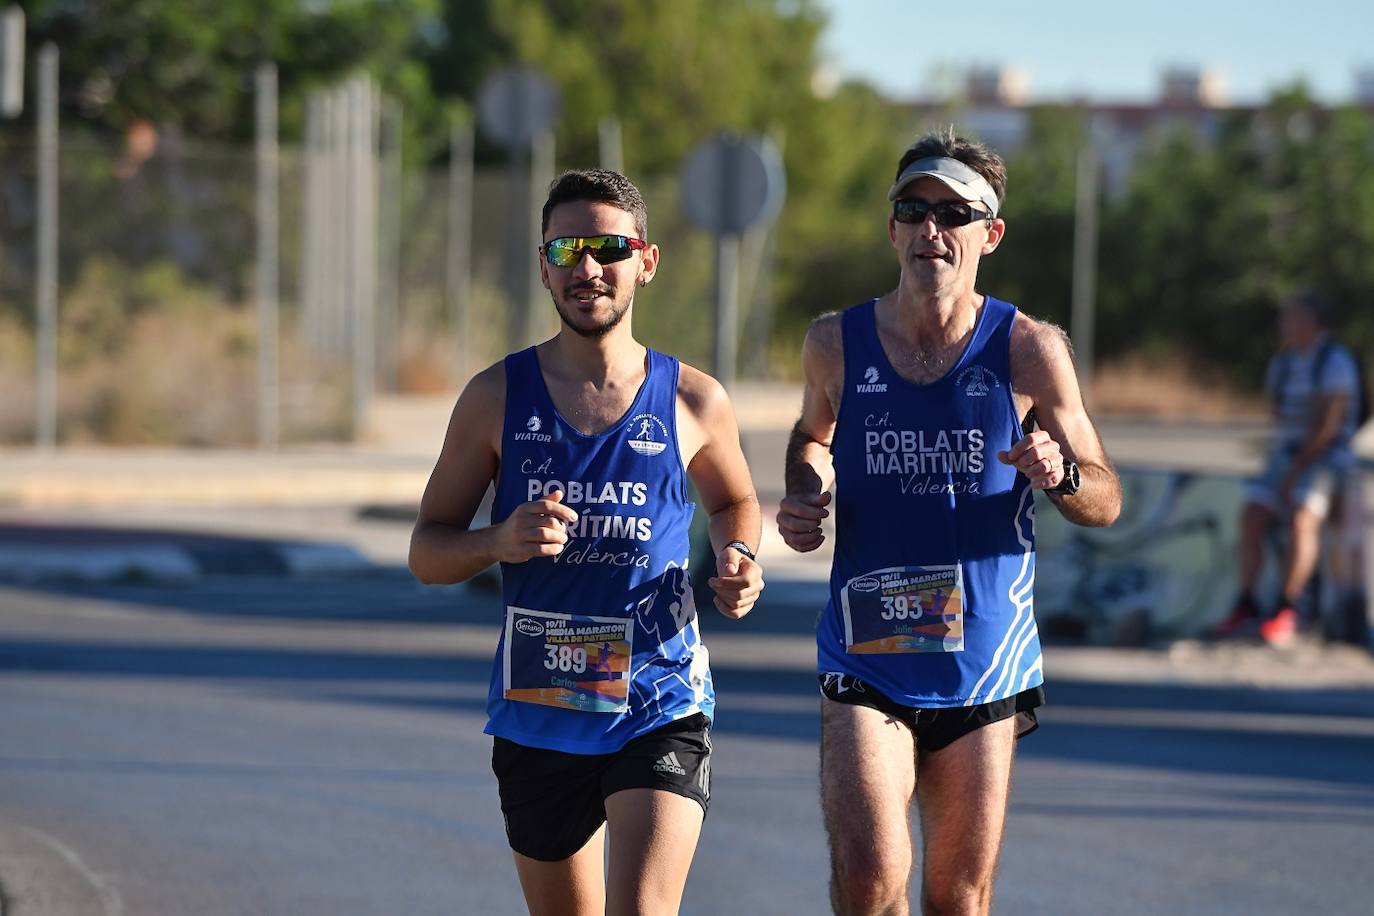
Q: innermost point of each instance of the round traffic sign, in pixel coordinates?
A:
(516, 104)
(730, 182)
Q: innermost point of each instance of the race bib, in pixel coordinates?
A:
(571, 661)
(905, 609)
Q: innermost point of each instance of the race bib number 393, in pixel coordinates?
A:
(905, 609)
(572, 661)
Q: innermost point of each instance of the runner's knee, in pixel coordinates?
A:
(961, 898)
(868, 879)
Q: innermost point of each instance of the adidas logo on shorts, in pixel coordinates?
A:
(668, 764)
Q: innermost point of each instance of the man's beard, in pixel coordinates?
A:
(601, 329)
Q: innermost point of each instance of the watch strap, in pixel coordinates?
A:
(741, 547)
(1073, 480)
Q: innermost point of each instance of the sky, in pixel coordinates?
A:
(1106, 51)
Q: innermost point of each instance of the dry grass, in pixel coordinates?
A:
(147, 356)
(1168, 390)
(169, 364)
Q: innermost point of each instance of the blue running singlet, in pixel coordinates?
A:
(930, 591)
(600, 642)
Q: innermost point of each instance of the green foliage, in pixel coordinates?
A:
(1212, 233)
(670, 72)
(1033, 266)
(191, 62)
(1210, 228)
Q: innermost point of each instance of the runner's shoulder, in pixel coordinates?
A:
(824, 335)
(700, 392)
(1038, 345)
(484, 395)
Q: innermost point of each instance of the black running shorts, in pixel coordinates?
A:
(554, 801)
(936, 729)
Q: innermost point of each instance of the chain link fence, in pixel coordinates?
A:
(157, 328)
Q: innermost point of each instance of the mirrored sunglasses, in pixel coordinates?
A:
(604, 249)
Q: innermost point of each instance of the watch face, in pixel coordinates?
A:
(1069, 485)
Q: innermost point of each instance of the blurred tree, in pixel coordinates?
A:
(671, 72)
(1034, 266)
(191, 63)
(1213, 232)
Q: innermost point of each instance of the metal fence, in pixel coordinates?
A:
(158, 338)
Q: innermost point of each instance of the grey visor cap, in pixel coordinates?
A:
(953, 174)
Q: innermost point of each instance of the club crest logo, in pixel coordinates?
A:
(648, 435)
(870, 384)
(976, 381)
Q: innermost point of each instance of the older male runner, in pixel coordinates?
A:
(919, 409)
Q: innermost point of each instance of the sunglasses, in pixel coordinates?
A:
(604, 249)
(948, 213)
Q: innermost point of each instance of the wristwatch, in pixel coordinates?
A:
(741, 547)
(1071, 482)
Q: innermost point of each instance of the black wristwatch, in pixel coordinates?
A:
(741, 547)
(1071, 482)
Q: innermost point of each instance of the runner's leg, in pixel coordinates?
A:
(963, 803)
(653, 838)
(868, 774)
(573, 887)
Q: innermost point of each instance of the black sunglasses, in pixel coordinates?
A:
(948, 213)
(604, 249)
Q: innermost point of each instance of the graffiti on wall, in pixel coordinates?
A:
(1165, 570)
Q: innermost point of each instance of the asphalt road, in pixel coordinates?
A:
(272, 745)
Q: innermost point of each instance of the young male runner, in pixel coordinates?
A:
(601, 698)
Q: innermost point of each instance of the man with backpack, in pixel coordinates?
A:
(1317, 392)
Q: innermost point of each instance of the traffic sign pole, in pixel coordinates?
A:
(729, 184)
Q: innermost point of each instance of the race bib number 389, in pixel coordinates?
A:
(905, 609)
(572, 661)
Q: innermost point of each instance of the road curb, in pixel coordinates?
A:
(169, 560)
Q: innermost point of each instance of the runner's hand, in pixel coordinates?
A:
(737, 583)
(535, 529)
(799, 520)
(1039, 458)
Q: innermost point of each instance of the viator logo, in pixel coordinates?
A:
(870, 384)
(533, 425)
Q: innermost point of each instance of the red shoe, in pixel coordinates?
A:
(1242, 618)
(1280, 629)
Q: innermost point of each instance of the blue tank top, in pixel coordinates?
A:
(930, 591)
(600, 643)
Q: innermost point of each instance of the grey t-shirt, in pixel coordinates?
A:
(1295, 386)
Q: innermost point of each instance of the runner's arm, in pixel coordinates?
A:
(1043, 372)
(719, 472)
(444, 548)
(809, 471)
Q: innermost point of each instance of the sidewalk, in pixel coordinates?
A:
(296, 509)
(108, 514)
(394, 462)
